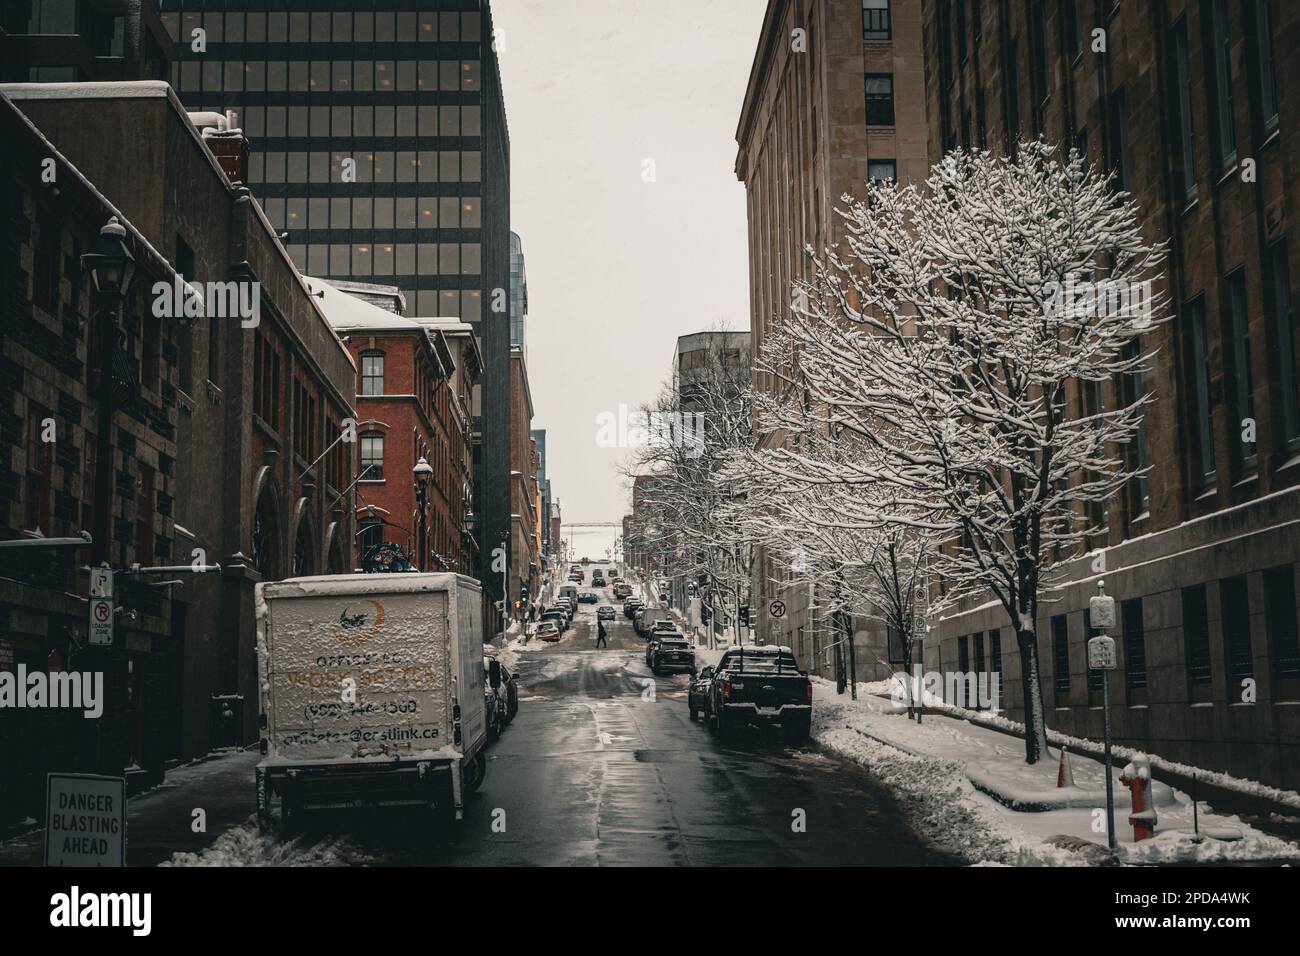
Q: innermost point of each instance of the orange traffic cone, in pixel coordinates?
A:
(1064, 775)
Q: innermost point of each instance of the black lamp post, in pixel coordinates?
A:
(423, 472)
(111, 267)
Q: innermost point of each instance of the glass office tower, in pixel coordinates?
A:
(378, 146)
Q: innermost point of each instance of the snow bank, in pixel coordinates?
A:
(946, 769)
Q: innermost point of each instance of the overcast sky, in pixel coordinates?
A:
(619, 267)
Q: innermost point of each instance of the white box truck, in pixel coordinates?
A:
(371, 692)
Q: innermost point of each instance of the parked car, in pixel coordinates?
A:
(556, 618)
(564, 607)
(760, 685)
(631, 606)
(663, 625)
(638, 618)
(548, 631)
(670, 651)
(494, 704)
(605, 612)
(697, 695)
(588, 597)
(508, 689)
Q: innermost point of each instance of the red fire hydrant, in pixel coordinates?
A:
(1137, 777)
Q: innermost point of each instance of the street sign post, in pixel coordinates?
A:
(100, 630)
(85, 820)
(1101, 657)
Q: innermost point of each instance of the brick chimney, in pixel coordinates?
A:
(226, 143)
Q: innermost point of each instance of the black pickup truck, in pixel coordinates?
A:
(760, 684)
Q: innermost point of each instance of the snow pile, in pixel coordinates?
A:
(967, 787)
(247, 846)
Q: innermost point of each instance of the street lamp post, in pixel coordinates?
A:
(423, 473)
(111, 267)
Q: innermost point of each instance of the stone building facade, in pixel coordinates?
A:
(835, 97)
(257, 402)
(1186, 103)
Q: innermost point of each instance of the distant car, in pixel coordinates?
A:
(588, 597)
(697, 695)
(548, 631)
(605, 612)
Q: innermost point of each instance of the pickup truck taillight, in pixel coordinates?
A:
(726, 689)
(807, 690)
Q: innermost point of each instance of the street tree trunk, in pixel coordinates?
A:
(1035, 725)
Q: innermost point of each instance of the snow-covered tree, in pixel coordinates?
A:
(832, 532)
(961, 338)
(700, 417)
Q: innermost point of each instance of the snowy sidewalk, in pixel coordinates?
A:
(970, 785)
(160, 821)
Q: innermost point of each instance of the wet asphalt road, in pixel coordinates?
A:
(593, 772)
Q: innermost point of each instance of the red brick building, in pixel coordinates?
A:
(415, 381)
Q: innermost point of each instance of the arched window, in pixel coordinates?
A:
(372, 373)
(334, 563)
(265, 537)
(372, 456)
(371, 534)
(304, 548)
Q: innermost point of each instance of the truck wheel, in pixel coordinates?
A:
(797, 732)
(723, 726)
(475, 772)
(692, 712)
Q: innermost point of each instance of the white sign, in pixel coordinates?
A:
(1101, 612)
(85, 820)
(101, 622)
(776, 609)
(1101, 653)
(101, 582)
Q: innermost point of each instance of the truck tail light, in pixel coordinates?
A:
(807, 691)
(726, 690)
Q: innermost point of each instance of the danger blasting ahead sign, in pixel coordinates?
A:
(85, 820)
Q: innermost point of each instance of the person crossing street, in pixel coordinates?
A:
(600, 633)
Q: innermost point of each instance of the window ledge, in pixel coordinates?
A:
(1229, 173)
(1202, 703)
(1249, 479)
(1290, 463)
(1207, 494)
(1271, 137)
(1192, 203)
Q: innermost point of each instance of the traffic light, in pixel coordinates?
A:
(523, 594)
(744, 616)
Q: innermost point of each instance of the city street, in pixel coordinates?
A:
(590, 772)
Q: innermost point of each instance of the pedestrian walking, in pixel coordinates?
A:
(600, 634)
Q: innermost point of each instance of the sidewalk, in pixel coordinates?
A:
(160, 821)
(971, 787)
